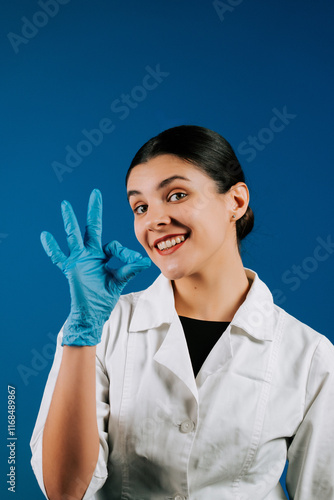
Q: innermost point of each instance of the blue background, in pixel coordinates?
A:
(227, 71)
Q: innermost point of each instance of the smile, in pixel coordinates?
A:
(164, 245)
(170, 243)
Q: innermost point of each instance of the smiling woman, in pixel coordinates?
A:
(188, 183)
(199, 387)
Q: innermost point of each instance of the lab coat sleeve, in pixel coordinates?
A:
(102, 384)
(310, 472)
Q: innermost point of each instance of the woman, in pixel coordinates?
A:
(199, 387)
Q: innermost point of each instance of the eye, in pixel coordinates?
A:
(141, 209)
(177, 196)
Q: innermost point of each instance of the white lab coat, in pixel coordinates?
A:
(264, 394)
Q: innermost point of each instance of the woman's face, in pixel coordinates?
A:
(180, 219)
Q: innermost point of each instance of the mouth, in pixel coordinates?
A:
(169, 244)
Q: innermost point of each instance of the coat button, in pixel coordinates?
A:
(187, 426)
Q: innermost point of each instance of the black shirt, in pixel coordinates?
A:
(201, 336)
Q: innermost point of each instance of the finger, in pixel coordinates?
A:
(52, 249)
(74, 238)
(94, 220)
(129, 271)
(115, 249)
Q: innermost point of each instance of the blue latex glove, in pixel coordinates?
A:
(94, 286)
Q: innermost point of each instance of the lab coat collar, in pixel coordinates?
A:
(155, 306)
(255, 316)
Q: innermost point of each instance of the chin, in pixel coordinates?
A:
(173, 273)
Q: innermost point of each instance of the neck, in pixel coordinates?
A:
(215, 295)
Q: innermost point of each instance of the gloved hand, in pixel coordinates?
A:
(94, 286)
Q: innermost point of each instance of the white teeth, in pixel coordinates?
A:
(170, 243)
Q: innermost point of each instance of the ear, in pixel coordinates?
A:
(239, 200)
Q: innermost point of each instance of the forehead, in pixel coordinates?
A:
(163, 167)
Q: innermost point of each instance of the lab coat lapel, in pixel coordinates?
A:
(174, 355)
(155, 309)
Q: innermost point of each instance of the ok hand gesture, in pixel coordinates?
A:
(94, 286)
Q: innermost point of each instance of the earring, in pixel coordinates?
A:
(233, 216)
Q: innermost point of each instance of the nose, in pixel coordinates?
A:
(157, 217)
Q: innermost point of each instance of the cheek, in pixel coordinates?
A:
(206, 196)
(138, 232)
(141, 235)
(205, 215)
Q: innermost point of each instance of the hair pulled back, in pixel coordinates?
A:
(208, 151)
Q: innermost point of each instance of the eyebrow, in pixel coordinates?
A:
(161, 184)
